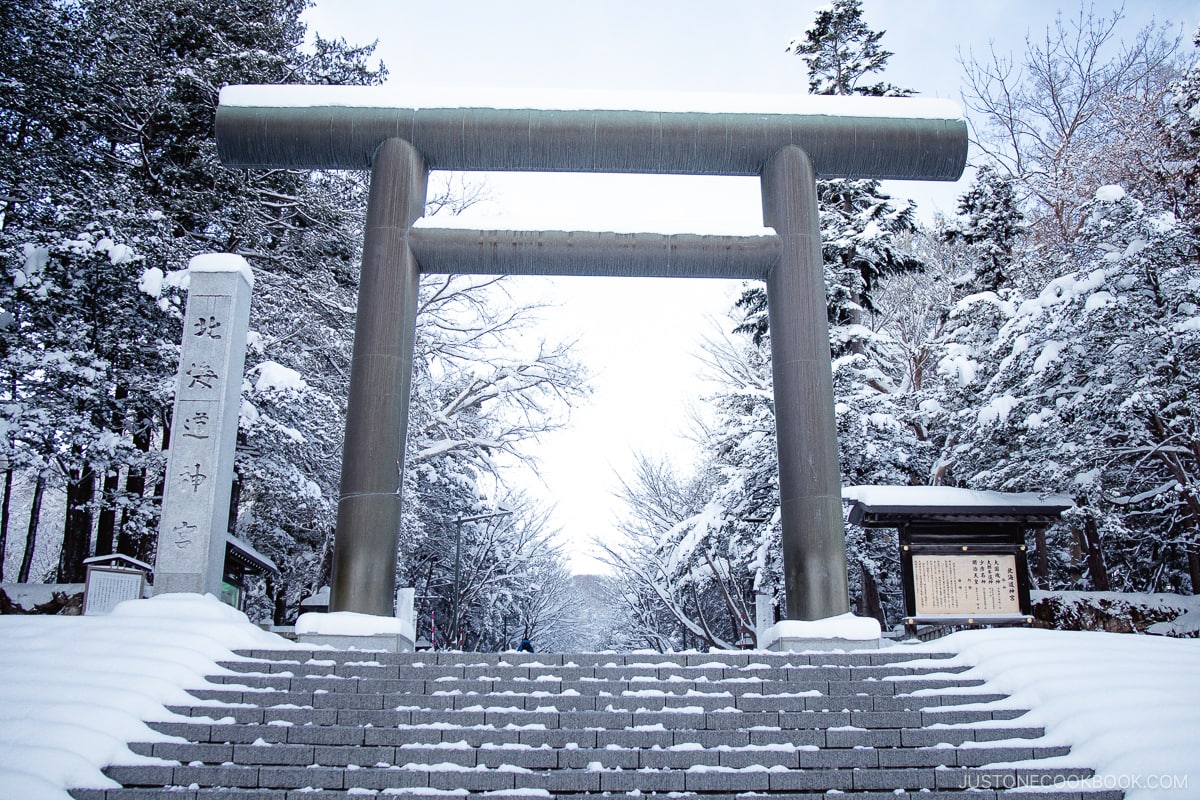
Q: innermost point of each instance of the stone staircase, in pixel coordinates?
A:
(293, 724)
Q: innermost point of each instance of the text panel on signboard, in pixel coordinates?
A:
(971, 584)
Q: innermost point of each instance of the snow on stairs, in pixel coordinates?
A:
(870, 724)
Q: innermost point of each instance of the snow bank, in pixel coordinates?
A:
(350, 623)
(75, 690)
(1127, 705)
(1119, 612)
(393, 96)
(28, 596)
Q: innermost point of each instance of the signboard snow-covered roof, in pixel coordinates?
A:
(888, 506)
(242, 552)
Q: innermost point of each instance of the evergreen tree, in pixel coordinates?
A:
(991, 223)
(118, 185)
(1086, 392)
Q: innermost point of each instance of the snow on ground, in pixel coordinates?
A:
(74, 690)
(1128, 705)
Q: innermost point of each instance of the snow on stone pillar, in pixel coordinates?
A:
(208, 398)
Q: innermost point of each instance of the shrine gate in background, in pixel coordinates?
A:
(301, 127)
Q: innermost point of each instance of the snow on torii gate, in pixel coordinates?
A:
(787, 142)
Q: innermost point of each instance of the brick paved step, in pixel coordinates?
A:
(284, 725)
(443, 735)
(782, 670)
(449, 775)
(544, 756)
(724, 659)
(623, 700)
(431, 794)
(386, 687)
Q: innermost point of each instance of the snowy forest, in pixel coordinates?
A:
(1044, 338)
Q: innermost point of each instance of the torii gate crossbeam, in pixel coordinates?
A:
(360, 128)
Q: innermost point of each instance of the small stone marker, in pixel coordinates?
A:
(208, 391)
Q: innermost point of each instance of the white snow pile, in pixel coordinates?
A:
(350, 623)
(1128, 705)
(75, 690)
(222, 262)
(843, 626)
(275, 377)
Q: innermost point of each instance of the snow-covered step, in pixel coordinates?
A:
(277, 726)
(451, 774)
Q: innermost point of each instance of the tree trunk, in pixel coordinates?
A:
(278, 595)
(1193, 555)
(77, 531)
(4, 518)
(106, 525)
(1095, 557)
(35, 511)
(1041, 561)
(132, 539)
(872, 606)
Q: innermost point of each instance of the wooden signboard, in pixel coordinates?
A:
(965, 585)
(107, 586)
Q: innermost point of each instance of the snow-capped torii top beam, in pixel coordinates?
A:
(340, 127)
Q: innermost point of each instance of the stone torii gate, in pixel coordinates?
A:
(361, 128)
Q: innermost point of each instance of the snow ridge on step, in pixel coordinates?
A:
(282, 726)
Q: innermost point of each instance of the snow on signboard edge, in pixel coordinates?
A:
(534, 221)
(391, 96)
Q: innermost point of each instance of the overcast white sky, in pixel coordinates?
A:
(640, 337)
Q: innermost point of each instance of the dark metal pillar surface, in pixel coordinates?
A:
(814, 547)
(368, 524)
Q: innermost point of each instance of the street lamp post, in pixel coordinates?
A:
(458, 523)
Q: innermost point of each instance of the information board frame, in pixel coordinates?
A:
(915, 614)
(100, 595)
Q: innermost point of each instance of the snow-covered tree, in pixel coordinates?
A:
(1090, 394)
(990, 223)
(1077, 110)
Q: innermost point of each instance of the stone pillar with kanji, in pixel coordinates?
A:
(199, 474)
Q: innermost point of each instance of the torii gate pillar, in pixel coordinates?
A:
(368, 519)
(810, 499)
